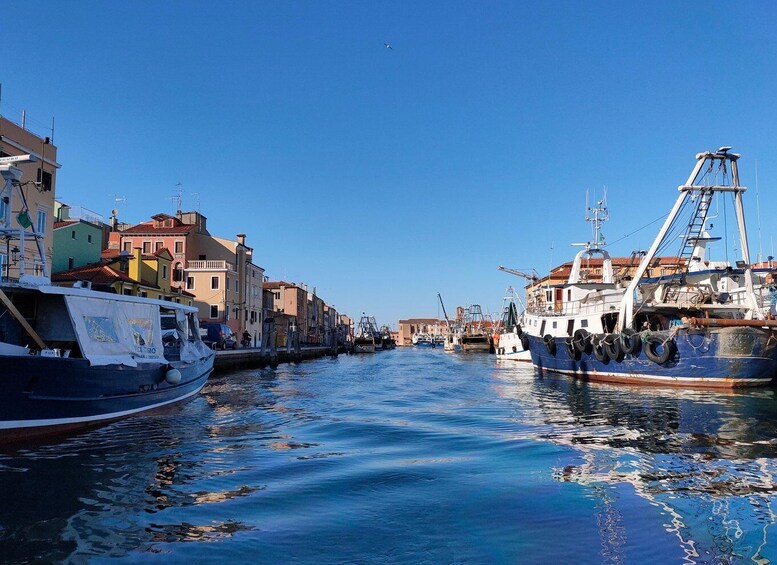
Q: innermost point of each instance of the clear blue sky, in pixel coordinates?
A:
(385, 176)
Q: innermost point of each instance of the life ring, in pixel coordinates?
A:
(630, 342)
(582, 341)
(525, 342)
(598, 349)
(658, 350)
(612, 345)
(550, 343)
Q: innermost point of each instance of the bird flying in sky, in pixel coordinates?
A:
(388, 46)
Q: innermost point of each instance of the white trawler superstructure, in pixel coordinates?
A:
(694, 327)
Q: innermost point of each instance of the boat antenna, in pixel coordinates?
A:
(758, 213)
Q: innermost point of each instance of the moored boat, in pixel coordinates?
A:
(473, 335)
(75, 357)
(510, 343)
(364, 338)
(685, 330)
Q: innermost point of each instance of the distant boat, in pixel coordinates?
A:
(473, 334)
(510, 343)
(364, 338)
(422, 340)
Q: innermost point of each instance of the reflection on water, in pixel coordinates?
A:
(706, 459)
(406, 456)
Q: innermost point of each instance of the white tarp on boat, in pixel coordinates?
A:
(111, 332)
(192, 347)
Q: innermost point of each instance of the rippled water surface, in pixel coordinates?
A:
(413, 456)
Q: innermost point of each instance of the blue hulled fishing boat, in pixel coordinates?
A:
(701, 325)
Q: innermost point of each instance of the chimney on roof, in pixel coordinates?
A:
(241, 238)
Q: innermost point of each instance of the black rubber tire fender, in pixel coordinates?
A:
(630, 342)
(525, 342)
(550, 343)
(571, 349)
(612, 345)
(582, 341)
(658, 350)
(597, 346)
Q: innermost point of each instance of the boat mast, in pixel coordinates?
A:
(689, 190)
(447, 321)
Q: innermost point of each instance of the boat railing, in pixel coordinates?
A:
(588, 305)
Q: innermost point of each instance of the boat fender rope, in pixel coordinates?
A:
(599, 350)
(630, 342)
(550, 343)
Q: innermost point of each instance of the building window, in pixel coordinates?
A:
(214, 283)
(70, 262)
(190, 283)
(214, 311)
(128, 246)
(237, 286)
(89, 238)
(143, 294)
(41, 228)
(277, 295)
(44, 178)
(179, 246)
(158, 245)
(72, 234)
(123, 266)
(128, 291)
(164, 272)
(178, 273)
(227, 283)
(146, 247)
(3, 207)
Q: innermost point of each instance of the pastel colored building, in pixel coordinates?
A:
(41, 176)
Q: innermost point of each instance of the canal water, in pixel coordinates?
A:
(407, 456)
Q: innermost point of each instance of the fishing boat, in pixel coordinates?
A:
(76, 357)
(387, 342)
(693, 328)
(364, 337)
(473, 335)
(452, 338)
(508, 341)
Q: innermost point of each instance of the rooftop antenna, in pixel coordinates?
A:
(177, 198)
(196, 196)
(119, 200)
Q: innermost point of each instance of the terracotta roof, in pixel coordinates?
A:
(148, 228)
(64, 223)
(95, 273)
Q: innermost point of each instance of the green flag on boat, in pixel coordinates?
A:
(24, 219)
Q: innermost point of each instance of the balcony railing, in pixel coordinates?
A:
(210, 265)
